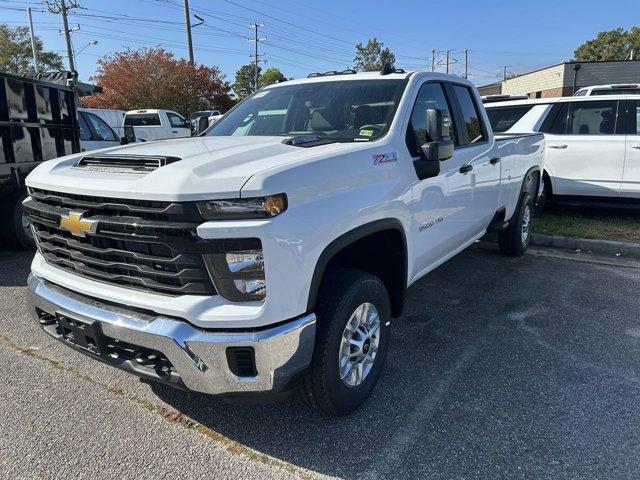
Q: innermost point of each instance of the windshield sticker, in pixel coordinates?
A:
(366, 133)
(261, 94)
(385, 158)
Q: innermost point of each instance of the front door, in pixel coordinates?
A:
(440, 206)
(178, 126)
(585, 148)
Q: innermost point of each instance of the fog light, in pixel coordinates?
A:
(238, 276)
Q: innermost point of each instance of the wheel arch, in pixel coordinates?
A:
(391, 268)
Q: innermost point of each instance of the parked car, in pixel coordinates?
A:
(38, 122)
(503, 98)
(156, 124)
(95, 133)
(593, 145)
(273, 252)
(614, 89)
(113, 118)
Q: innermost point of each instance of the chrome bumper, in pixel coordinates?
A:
(198, 357)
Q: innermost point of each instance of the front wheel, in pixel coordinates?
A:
(515, 239)
(352, 338)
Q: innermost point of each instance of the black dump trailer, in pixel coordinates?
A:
(38, 122)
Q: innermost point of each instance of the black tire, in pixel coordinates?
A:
(14, 234)
(544, 198)
(513, 241)
(342, 292)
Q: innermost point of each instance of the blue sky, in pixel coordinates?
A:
(307, 36)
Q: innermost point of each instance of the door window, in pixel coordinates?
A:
(634, 118)
(472, 126)
(99, 129)
(585, 118)
(176, 121)
(431, 95)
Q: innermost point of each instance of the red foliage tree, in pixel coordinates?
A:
(153, 78)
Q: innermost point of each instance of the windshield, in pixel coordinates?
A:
(342, 111)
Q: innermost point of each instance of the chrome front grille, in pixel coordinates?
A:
(144, 245)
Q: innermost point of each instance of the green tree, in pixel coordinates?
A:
(614, 44)
(16, 56)
(372, 56)
(271, 76)
(245, 80)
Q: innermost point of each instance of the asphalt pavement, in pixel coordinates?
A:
(499, 368)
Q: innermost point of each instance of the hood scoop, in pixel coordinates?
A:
(124, 163)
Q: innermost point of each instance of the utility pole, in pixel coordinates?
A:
(33, 42)
(433, 60)
(256, 57)
(504, 72)
(60, 6)
(187, 21)
(448, 60)
(466, 63)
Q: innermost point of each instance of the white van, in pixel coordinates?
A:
(592, 150)
(156, 124)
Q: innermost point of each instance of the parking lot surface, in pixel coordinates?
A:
(499, 368)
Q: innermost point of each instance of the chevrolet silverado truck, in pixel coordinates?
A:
(270, 254)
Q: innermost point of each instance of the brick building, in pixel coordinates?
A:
(565, 78)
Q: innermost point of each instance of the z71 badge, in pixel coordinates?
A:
(385, 158)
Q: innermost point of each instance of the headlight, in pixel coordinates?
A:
(238, 275)
(243, 208)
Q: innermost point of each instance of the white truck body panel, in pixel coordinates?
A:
(162, 128)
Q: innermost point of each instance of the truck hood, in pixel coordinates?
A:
(210, 168)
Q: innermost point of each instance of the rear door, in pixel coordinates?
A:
(178, 125)
(474, 154)
(631, 175)
(585, 147)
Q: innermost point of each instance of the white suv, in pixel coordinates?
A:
(612, 89)
(592, 144)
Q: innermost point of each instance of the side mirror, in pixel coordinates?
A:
(438, 148)
(203, 124)
(129, 135)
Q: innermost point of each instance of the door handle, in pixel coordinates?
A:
(494, 161)
(175, 131)
(561, 146)
(466, 168)
(636, 146)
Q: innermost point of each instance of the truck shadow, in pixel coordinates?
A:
(439, 337)
(14, 268)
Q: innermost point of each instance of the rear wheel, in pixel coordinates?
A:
(515, 239)
(352, 338)
(17, 233)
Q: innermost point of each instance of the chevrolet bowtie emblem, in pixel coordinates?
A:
(77, 225)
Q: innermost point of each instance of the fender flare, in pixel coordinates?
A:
(345, 240)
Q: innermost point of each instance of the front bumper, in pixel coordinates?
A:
(192, 358)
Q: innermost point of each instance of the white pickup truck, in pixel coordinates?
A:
(592, 153)
(156, 124)
(273, 253)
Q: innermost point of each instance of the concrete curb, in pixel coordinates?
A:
(611, 247)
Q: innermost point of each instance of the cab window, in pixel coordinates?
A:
(472, 127)
(176, 121)
(431, 95)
